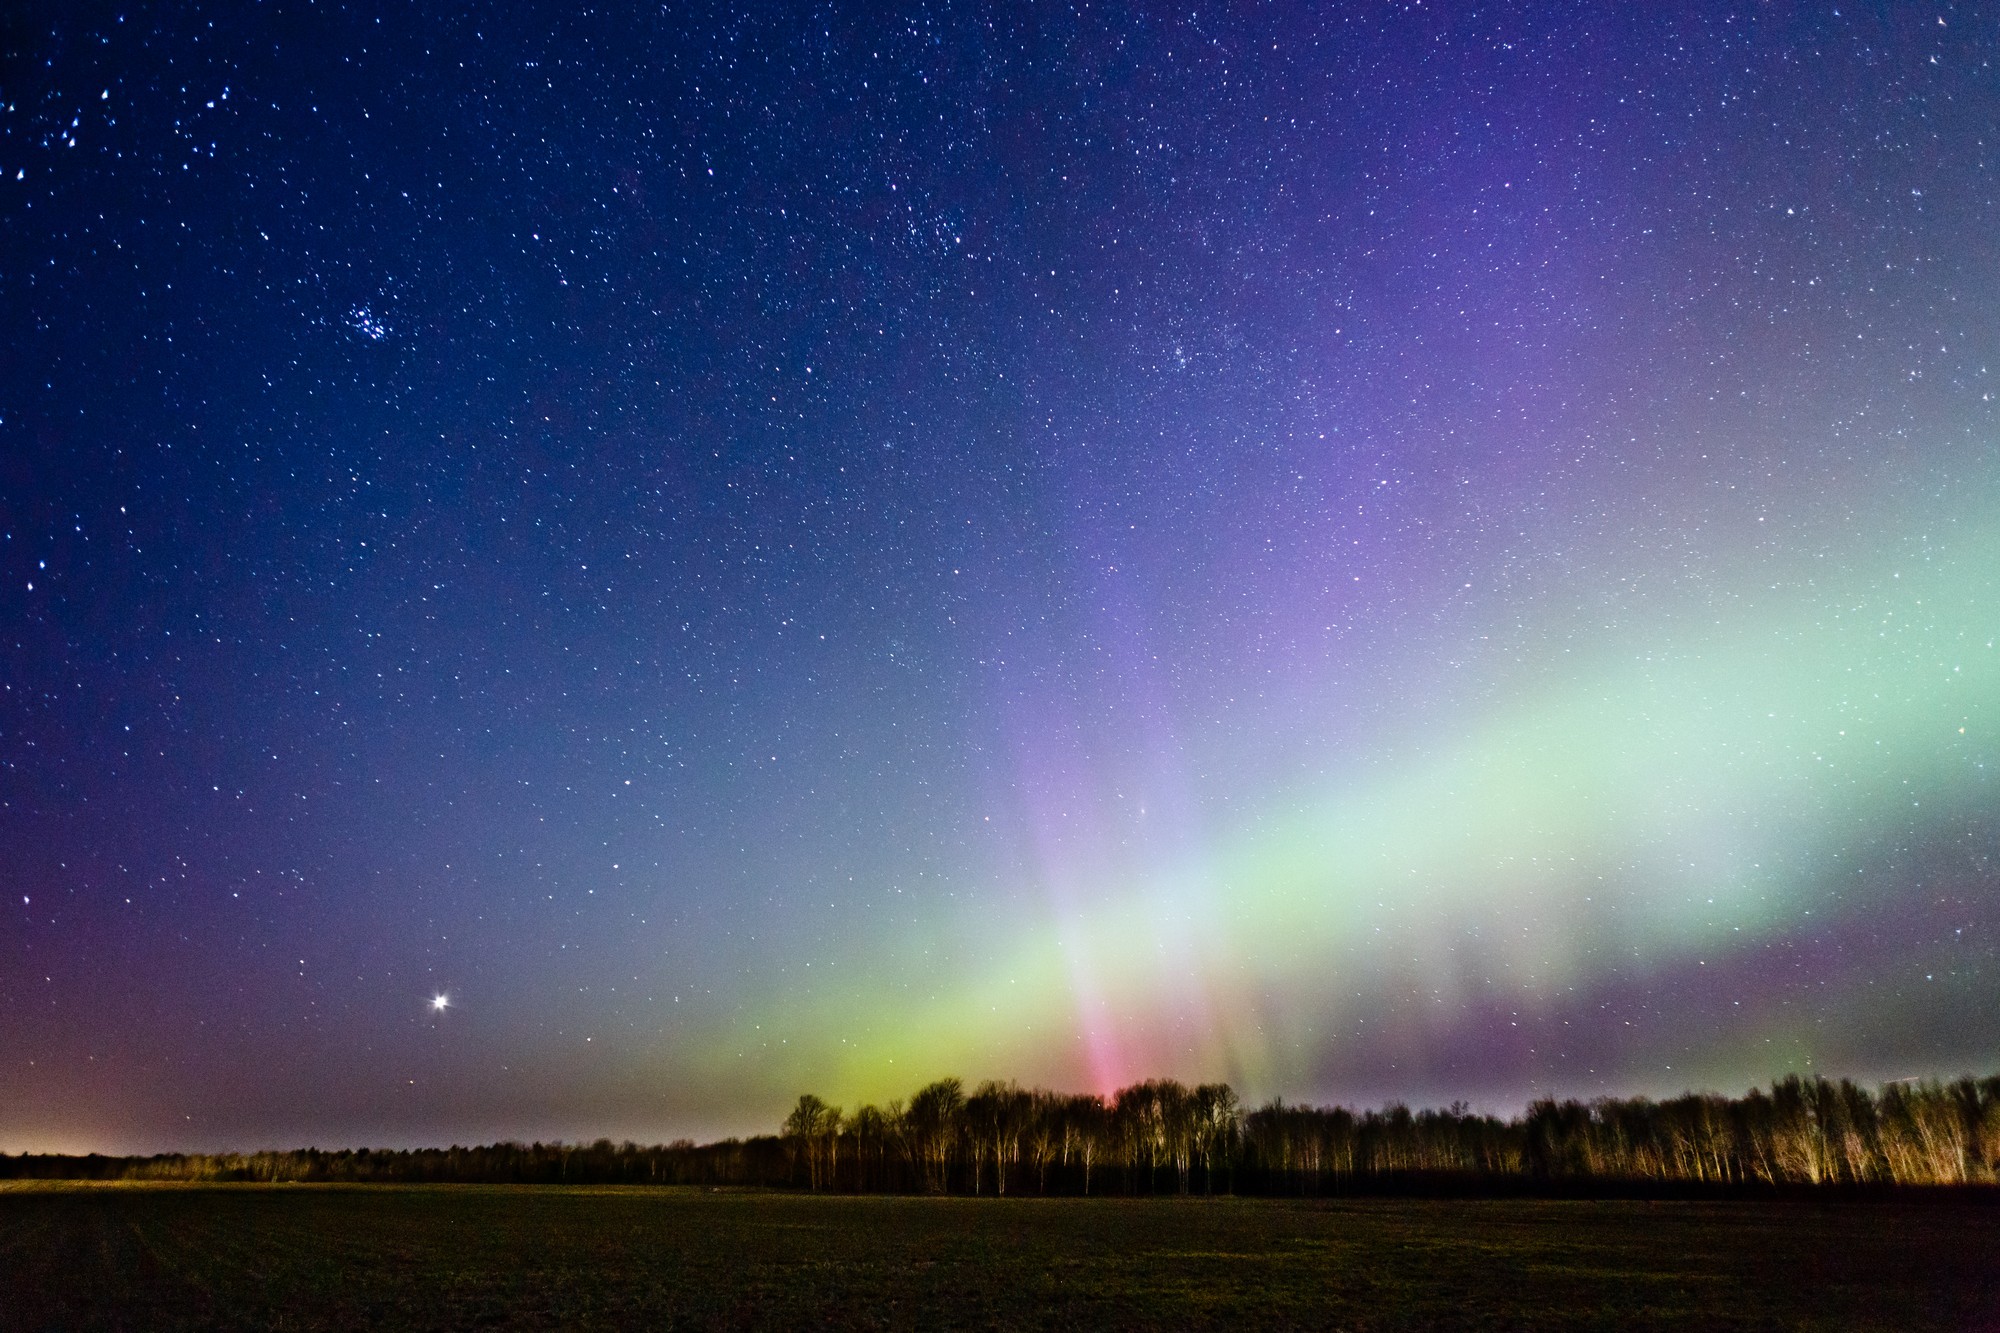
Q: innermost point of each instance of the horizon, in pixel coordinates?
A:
(569, 573)
(1512, 1116)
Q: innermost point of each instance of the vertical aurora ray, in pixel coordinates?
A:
(1680, 798)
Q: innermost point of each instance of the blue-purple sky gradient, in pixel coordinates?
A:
(1419, 551)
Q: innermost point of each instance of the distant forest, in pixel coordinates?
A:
(1162, 1137)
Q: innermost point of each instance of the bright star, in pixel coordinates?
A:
(439, 1003)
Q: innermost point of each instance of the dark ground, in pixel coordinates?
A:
(465, 1256)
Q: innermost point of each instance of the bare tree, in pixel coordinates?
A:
(812, 1131)
(934, 1124)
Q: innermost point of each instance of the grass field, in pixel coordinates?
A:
(437, 1257)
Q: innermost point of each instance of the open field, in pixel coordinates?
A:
(437, 1257)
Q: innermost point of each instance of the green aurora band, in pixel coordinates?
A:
(1687, 801)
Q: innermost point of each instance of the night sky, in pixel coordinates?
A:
(1409, 551)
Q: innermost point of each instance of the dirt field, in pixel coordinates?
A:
(438, 1257)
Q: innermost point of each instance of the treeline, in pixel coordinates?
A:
(1163, 1137)
(757, 1161)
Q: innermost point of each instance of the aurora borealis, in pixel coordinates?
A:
(1407, 551)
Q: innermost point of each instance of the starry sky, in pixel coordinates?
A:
(1393, 550)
